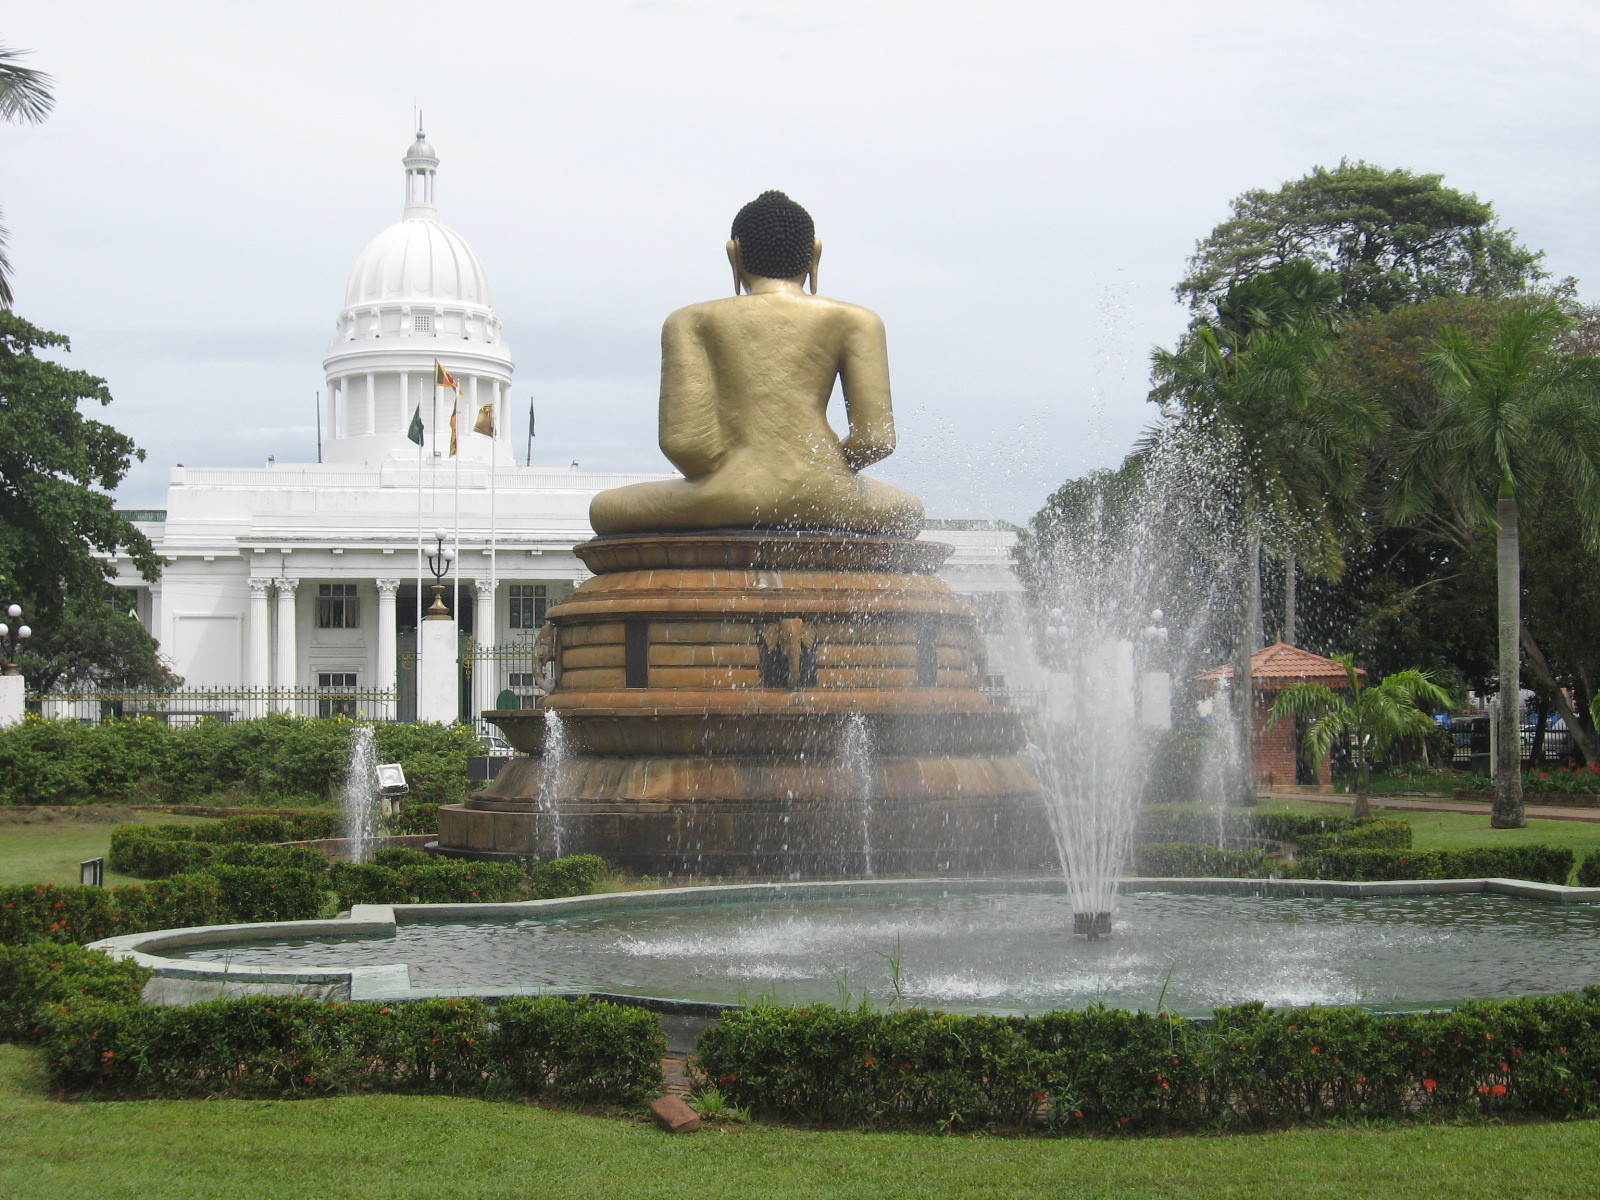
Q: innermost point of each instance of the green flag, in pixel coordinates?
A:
(414, 433)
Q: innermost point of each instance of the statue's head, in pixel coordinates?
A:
(774, 238)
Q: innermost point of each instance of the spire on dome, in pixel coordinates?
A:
(421, 163)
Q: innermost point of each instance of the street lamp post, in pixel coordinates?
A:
(13, 692)
(438, 665)
(11, 638)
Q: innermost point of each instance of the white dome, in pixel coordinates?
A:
(418, 259)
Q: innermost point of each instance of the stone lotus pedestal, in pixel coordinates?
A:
(716, 694)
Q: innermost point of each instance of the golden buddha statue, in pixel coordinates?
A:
(745, 385)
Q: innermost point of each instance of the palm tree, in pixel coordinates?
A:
(24, 96)
(1512, 410)
(1252, 380)
(1370, 719)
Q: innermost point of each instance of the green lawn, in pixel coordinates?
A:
(49, 852)
(399, 1147)
(1452, 831)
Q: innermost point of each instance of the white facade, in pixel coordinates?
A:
(306, 575)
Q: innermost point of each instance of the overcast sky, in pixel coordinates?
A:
(1013, 187)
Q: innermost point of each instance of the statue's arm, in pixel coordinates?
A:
(864, 374)
(690, 427)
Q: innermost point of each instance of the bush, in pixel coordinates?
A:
(1190, 860)
(219, 895)
(1589, 872)
(270, 893)
(414, 818)
(278, 758)
(292, 1047)
(156, 851)
(574, 875)
(402, 856)
(42, 973)
(1371, 834)
(441, 881)
(1541, 864)
(1111, 1071)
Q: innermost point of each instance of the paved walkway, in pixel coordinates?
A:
(1542, 812)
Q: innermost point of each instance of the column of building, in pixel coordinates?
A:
(388, 677)
(288, 651)
(485, 673)
(260, 633)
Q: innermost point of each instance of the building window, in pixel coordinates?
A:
(422, 323)
(336, 706)
(520, 681)
(528, 604)
(338, 606)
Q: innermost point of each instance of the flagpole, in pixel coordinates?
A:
(455, 445)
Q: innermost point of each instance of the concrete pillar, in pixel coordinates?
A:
(288, 650)
(13, 693)
(387, 667)
(405, 401)
(438, 673)
(485, 679)
(372, 404)
(260, 633)
(1155, 700)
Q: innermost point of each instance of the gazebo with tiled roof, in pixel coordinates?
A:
(1273, 669)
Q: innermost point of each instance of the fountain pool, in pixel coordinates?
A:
(971, 946)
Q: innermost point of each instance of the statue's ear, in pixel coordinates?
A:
(736, 263)
(816, 257)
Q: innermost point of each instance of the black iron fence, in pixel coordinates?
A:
(1471, 743)
(185, 706)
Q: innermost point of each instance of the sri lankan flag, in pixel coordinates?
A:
(485, 422)
(443, 378)
(455, 413)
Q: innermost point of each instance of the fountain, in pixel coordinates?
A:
(362, 805)
(765, 657)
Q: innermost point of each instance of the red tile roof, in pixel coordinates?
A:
(1275, 667)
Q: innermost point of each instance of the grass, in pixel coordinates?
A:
(49, 851)
(403, 1147)
(1455, 831)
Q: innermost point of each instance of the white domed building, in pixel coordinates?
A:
(295, 586)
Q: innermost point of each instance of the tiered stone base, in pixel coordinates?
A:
(715, 694)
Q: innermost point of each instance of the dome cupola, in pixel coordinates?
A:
(418, 292)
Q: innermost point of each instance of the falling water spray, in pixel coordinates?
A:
(361, 804)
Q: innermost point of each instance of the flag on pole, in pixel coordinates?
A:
(455, 412)
(443, 378)
(414, 432)
(485, 422)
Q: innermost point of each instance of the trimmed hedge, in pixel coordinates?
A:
(221, 895)
(275, 1046)
(441, 881)
(1373, 834)
(1589, 871)
(271, 759)
(414, 818)
(1190, 860)
(1541, 864)
(42, 973)
(574, 875)
(1110, 1071)
(156, 851)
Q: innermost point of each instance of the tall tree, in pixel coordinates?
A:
(1250, 380)
(24, 96)
(1388, 237)
(58, 528)
(1512, 412)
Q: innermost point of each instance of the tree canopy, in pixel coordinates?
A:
(58, 467)
(24, 96)
(1388, 237)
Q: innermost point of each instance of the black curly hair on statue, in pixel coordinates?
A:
(775, 236)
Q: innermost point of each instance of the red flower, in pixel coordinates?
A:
(1429, 1084)
(1122, 1120)
(1499, 1089)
